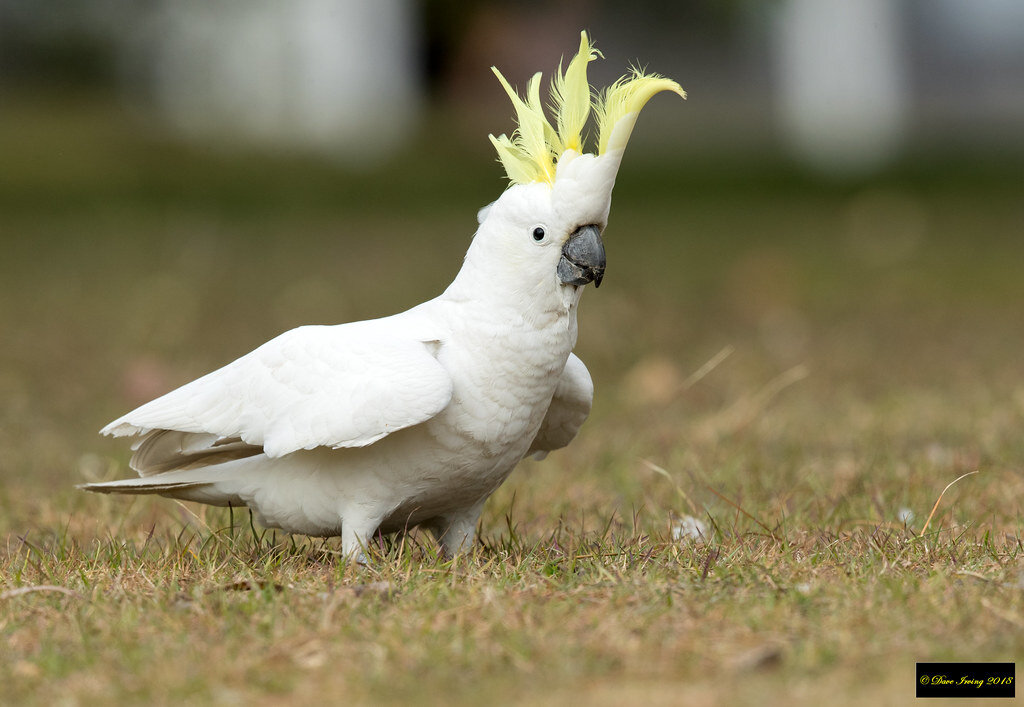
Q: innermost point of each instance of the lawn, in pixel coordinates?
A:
(802, 368)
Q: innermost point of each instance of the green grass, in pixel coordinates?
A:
(864, 345)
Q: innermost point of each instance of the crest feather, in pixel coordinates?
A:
(570, 96)
(519, 169)
(529, 140)
(625, 99)
(535, 147)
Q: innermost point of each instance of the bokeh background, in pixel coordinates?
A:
(811, 324)
(839, 201)
(181, 180)
(835, 211)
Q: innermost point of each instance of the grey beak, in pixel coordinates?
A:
(582, 258)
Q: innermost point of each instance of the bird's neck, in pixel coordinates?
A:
(540, 304)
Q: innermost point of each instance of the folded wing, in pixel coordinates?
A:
(315, 386)
(569, 408)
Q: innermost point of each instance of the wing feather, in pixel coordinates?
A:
(569, 409)
(315, 386)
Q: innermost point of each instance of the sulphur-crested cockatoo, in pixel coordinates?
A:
(415, 419)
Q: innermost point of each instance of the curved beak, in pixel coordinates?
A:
(582, 258)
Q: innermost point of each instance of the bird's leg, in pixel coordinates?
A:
(355, 535)
(456, 531)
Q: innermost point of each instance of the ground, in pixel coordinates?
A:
(802, 368)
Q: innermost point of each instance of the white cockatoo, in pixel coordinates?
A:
(415, 419)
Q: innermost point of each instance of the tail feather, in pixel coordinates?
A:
(161, 451)
(207, 485)
(143, 486)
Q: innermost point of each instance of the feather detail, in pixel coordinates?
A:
(570, 96)
(623, 101)
(530, 137)
(533, 151)
(543, 138)
(518, 167)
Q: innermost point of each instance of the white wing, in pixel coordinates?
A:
(315, 386)
(569, 408)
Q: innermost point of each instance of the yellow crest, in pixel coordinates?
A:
(533, 151)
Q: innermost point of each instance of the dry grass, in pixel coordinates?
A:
(808, 370)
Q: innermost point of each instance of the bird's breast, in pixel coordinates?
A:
(504, 374)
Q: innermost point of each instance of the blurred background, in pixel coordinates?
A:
(836, 210)
(841, 89)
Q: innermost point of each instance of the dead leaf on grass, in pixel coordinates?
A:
(763, 657)
(248, 585)
(384, 590)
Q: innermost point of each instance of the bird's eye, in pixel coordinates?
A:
(538, 234)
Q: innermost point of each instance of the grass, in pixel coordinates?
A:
(795, 366)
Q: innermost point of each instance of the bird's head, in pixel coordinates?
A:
(547, 225)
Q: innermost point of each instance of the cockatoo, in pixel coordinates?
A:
(415, 419)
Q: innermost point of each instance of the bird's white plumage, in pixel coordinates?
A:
(417, 418)
(315, 386)
(413, 419)
(569, 409)
(496, 387)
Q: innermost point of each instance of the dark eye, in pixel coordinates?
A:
(538, 234)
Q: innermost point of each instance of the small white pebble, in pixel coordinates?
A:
(689, 528)
(905, 516)
(804, 588)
